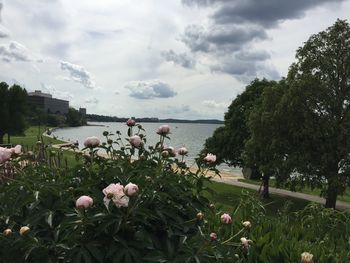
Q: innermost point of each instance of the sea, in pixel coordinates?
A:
(189, 135)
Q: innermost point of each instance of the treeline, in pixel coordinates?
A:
(296, 129)
(102, 118)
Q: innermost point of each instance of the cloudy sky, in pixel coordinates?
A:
(152, 58)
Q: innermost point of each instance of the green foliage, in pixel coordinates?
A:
(161, 222)
(228, 141)
(303, 124)
(13, 109)
(74, 118)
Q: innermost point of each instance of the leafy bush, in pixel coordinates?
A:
(161, 214)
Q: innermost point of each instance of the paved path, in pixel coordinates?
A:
(233, 180)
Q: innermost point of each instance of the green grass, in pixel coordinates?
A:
(307, 190)
(32, 135)
(229, 196)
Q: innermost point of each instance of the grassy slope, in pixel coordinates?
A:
(307, 190)
(229, 195)
(33, 134)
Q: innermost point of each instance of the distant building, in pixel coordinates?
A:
(47, 103)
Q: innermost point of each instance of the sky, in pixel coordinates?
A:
(183, 59)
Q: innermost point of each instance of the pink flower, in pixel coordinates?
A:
(226, 219)
(131, 189)
(5, 154)
(131, 122)
(92, 142)
(213, 236)
(17, 149)
(163, 130)
(135, 141)
(115, 192)
(210, 158)
(84, 201)
(182, 151)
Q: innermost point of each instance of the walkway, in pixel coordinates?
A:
(233, 180)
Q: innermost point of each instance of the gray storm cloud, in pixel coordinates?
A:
(235, 26)
(181, 59)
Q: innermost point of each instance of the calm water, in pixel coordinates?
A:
(192, 136)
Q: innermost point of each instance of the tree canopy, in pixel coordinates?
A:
(13, 108)
(228, 141)
(300, 130)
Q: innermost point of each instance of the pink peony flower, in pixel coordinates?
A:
(163, 130)
(115, 192)
(182, 151)
(84, 201)
(135, 141)
(210, 158)
(92, 142)
(226, 219)
(213, 236)
(131, 189)
(5, 154)
(131, 122)
(17, 149)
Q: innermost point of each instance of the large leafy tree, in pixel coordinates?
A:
(13, 109)
(4, 110)
(17, 104)
(229, 140)
(309, 125)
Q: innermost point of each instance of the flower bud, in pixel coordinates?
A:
(165, 154)
(7, 232)
(109, 141)
(212, 206)
(226, 219)
(306, 257)
(131, 122)
(182, 151)
(24, 230)
(84, 202)
(213, 236)
(247, 224)
(200, 216)
(131, 189)
(105, 133)
(163, 130)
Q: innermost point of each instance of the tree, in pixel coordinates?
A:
(74, 118)
(4, 110)
(228, 141)
(17, 105)
(309, 125)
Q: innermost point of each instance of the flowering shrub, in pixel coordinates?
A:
(142, 205)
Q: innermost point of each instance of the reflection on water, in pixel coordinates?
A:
(190, 135)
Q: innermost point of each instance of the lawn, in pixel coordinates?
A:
(307, 190)
(34, 134)
(229, 196)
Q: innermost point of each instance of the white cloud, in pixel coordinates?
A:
(215, 105)
(14, 51)
(79, 74)
(150, 89)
